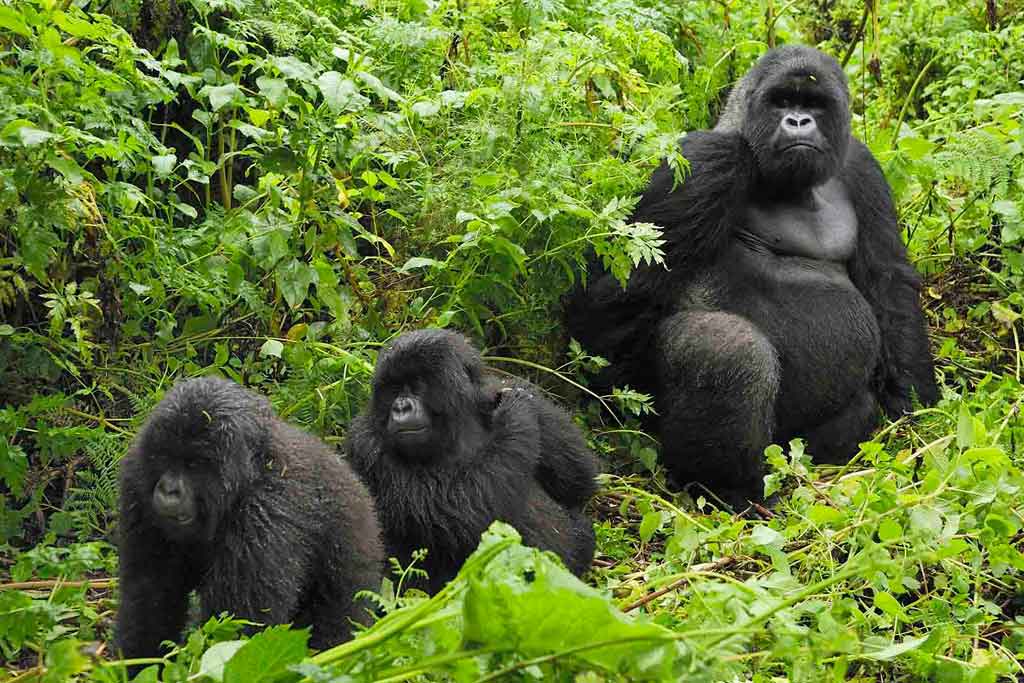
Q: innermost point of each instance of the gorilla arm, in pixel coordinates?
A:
(566, 468)
(882, 273)
(697, 218)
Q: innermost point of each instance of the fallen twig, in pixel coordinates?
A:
(701, 568)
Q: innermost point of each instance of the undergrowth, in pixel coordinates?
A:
(269, 190)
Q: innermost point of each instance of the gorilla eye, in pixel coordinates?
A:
(782, 100)
(816, 102)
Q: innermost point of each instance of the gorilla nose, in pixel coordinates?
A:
(798, 124)
(169, 488)
(401, 408)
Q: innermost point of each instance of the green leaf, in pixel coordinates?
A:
(375, 84)
(894, 650)
(766, 536)
(164, 164)
(11, 21)
(889, 530)
(272, 347)
(214, 660)
(274, 89)
(340, 93)
(267, 655)
(294, 68)
(419, 262)
(293, 279)
(222, 95)
(824, 515)
(25, 133)
(524, 600)
(888, 604)
(650, 523)
(964, 427)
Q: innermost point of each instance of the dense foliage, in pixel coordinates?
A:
(270, 189)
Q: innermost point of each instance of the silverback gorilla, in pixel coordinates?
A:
(788, 306)
(266, 522)
(446, 450)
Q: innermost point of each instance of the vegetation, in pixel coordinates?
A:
(269, 189)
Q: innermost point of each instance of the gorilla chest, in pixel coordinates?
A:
(819, 227)
(787, 273)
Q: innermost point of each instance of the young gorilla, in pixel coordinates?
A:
(266, 522)
(788, 307)
(446, 451)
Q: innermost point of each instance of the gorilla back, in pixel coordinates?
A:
(788, 307)
(264, 521)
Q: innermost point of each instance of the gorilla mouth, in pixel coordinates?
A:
(804, 145)
(179, 520)
(411, 430)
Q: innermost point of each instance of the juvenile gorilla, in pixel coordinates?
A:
(447, 450)
(266, 522)
(788, 307)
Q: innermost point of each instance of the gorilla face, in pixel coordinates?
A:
(174, 503)
(427, 400)
(797, 119)
(196, 464)
(192, 492)
(410, 426)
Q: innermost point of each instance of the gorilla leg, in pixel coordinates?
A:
(718, 381)
(837, 439)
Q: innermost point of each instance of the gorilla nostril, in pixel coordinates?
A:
(401, 407)
(798, 123)
(168, 488)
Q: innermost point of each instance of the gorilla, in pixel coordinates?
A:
(266, 522)
(446, 450)
(788, 306)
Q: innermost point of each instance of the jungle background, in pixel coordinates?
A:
(270, 189)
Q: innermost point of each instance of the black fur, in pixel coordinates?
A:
(492, 453)
(766, 325)
(282, 532)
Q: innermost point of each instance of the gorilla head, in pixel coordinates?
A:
(202, 448)
(793, 109)
(428, 395)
